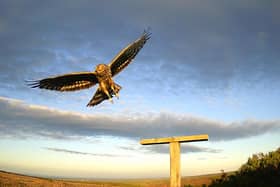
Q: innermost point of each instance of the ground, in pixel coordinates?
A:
(8, 179)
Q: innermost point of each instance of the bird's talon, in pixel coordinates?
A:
(111, 100)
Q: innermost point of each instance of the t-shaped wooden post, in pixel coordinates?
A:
(174, 142)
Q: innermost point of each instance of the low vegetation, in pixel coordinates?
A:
(261, 170)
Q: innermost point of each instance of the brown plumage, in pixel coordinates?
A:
(102, 75)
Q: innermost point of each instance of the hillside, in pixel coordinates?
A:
(8, 179)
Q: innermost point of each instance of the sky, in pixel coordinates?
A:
(210, 67)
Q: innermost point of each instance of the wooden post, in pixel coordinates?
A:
(174, 143)
(175, 170)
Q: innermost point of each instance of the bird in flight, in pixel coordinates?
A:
(102, 75)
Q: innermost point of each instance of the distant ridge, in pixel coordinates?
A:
(20, 174)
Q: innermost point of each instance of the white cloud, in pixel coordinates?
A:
(197, 42)
(165, 149)
(18, 119)
(80, 152)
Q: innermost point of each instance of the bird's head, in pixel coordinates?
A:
(102, 69)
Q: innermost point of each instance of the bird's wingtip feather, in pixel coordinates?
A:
(147, 33)
(32, 83)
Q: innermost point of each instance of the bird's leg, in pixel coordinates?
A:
(116, 88)
(114, 91)
(109, 96)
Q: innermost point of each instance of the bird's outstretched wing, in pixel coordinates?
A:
(126, 55)
(67, 82)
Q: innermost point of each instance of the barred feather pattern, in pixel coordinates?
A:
(126, 55)
(77, 86)
(67, 82)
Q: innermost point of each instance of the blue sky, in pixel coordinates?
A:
(210, 67)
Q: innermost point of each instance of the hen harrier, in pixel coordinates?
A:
(102, 75)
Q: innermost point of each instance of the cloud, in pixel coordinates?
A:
(184, 149)
(18, 119)
(79, 152)
(204, 44)
(163, 149)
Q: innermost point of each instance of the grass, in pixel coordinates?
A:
(8, 179)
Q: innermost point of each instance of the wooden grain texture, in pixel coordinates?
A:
(175, 170)
(181, 139)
